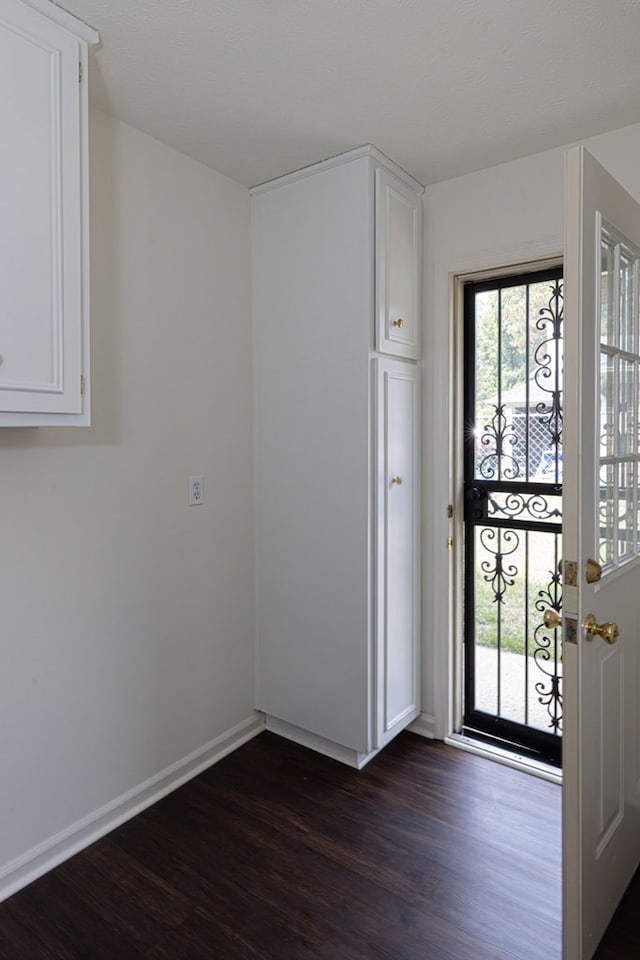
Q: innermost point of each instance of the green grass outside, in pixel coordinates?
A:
(518, 612)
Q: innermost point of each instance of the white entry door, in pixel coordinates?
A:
(601, 523)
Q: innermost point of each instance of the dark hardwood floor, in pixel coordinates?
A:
(622, 939)
(277, 853)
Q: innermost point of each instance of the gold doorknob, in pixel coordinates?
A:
(608, 631)
(551, 619)
(397, 479)
(397, 323)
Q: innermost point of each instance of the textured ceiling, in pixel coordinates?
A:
(256, 88)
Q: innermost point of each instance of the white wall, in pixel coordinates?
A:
(126, 617)
(509, 213)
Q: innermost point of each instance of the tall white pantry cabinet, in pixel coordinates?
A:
(336, 340)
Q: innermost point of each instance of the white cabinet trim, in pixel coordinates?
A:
(367, 150)
(77, 27)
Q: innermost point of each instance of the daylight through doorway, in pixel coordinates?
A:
(513, 511)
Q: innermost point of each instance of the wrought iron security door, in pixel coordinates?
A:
(513, 511)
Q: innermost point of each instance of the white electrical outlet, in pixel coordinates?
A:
(196, 491)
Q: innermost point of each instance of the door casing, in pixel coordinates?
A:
(457, 476)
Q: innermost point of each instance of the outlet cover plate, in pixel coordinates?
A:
(196, 491)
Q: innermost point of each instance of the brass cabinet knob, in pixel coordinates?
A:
(397, 479)
(608, 631)
(552, 619)
(397, 323)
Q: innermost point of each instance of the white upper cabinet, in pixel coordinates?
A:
(44, 336)
(398, 236)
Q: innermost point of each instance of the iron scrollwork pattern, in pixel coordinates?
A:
(513, 508)
(500, 436)
(495, 571)
(548, 373)
(501, 574)
(513, 444)
(548, 376)
(533, 506)
(548, 654)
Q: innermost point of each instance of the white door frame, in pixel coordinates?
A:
(457, 406)
(441, 470)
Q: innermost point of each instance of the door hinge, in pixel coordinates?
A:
(80, 71)
(450, 511)
(449, 543)
(82, 384)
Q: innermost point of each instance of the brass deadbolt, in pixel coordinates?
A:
(592, 571)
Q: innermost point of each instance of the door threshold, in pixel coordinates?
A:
(525, 764)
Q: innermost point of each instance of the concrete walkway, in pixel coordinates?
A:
(512, 686)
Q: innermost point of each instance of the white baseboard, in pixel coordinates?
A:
(48, 854)
(424, 725)
(328, 748)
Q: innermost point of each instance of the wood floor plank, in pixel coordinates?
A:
(242, 874)
(62, 926)
(458, 795)
(202, 937)
(277, 853)
(622, 939)
(139, 903)
(19, 939)
(389, 834)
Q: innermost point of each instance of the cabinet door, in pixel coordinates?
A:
(397, 541)
(398, 243)
(40, 214)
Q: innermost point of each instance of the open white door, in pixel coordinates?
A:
(601, 520)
